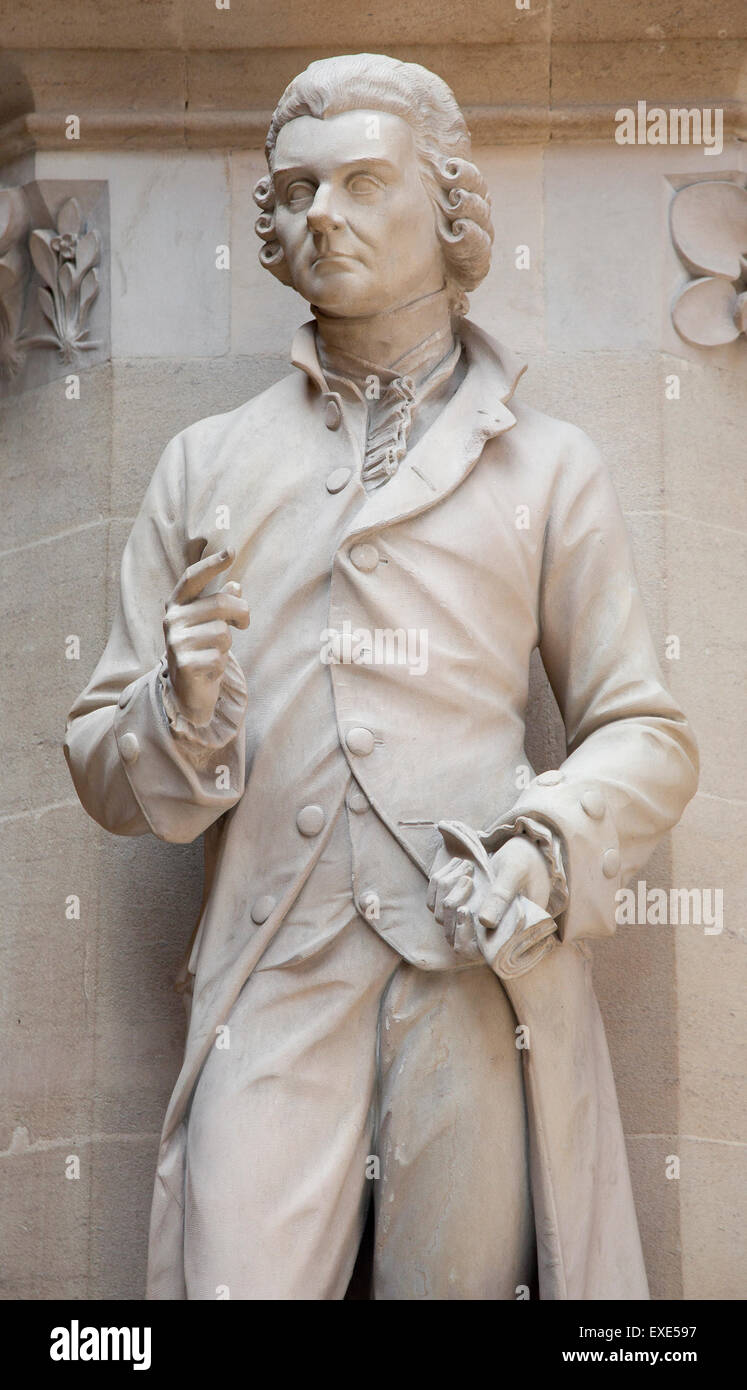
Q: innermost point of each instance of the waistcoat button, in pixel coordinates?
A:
(310, 820)
(360, 741)
(129, 748)
(593, 804)
(365, 557)
(262, 909)
(332, 414)
(371, 906)
(610, 863)
(339, 479)
(357, 801)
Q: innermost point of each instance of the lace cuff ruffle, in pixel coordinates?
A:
(228, 716)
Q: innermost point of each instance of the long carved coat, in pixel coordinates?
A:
(500, 532)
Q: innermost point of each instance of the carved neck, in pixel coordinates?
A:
(408, 339)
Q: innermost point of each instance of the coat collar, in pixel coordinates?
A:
(447, 452)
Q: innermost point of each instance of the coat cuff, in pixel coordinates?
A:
(578, 813)
(182, 784)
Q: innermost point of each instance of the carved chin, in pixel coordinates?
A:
(337, 282)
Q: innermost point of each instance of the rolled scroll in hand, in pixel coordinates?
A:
(526, 933)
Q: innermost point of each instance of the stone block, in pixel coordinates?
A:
(479, 75)
(48, 972)
(703, 443)
(678, 71)
(122, 1173)
(574, 21)
(149, 902)
(142, 24)
(713, 1228)
(54, 590)
(635, 980)
(91, 79)
(56, 453)
(509, 303)
(657, 1200)
(705, 567)
(710, 853)
(598, 205)
(348, 29)
(45, 1220)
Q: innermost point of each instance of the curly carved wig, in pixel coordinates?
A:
(373, 82)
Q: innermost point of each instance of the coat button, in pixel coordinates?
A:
(262, 909)
(360, 741)
(339, 479)
(365, 557)
(129, 748)
(310, 820)
(551, 778)
(593, 804)
(371, 906)
(610, 863)
(332, 414)
(356, 801)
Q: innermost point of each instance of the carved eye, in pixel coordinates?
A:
(363, 185)
(299, 192)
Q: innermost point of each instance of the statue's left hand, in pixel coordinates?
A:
(460, 897)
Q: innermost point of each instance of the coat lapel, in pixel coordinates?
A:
(446, 453)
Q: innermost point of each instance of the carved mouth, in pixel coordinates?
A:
(331, 258)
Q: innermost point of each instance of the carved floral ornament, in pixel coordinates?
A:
(709, 229)
(64, 257)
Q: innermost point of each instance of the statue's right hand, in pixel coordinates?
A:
(197, 628)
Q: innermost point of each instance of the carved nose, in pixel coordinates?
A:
(321, 216)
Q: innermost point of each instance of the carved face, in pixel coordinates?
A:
(352, 214)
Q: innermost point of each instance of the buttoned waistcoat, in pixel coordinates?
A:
(500, 532)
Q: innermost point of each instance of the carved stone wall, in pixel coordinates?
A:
(92, 1032)
(156, 74)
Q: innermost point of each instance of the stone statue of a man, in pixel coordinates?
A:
(391, 995)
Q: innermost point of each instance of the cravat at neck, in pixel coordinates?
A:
(407, 341)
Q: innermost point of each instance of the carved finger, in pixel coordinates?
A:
(494, 906)
(461, 891)
(208, 664)
(464, 941)
(216, 635)
(444, 885)
(222, 607)
(197, 576)
(435, 878)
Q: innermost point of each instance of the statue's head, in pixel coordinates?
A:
(371, 197)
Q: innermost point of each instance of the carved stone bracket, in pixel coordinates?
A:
(51, 265)
(708, 222)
